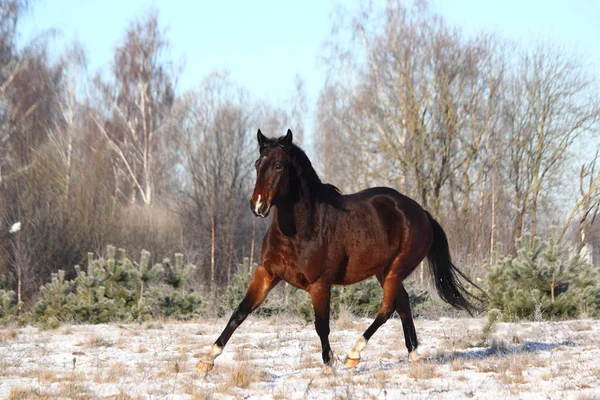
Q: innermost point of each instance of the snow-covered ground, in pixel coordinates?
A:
(280, 358)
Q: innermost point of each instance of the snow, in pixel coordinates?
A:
(280, 358)
(16, 227)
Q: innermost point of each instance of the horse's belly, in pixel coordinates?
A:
(363, 263)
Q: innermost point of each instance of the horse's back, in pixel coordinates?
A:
(386, 197)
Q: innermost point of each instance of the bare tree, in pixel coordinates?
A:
(139, 100)
(551, 105)
(587, 207)
(217, 161)
(62, 134)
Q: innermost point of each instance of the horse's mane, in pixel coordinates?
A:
(324, 192)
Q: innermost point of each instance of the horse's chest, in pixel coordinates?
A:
(298, 264)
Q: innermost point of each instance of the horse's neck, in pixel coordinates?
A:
(297, 219)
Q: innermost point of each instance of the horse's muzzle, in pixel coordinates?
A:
(260, 208)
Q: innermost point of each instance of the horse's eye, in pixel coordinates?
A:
(278, 166)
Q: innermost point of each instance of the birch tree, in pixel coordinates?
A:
(138, 100)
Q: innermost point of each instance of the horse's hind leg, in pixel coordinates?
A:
(395, 297)
(391, 284)
(402, 305)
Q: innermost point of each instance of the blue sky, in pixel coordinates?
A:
(265, 44)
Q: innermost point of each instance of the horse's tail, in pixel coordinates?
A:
(446, 275)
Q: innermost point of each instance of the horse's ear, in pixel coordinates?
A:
(262, 140)
(286, 141)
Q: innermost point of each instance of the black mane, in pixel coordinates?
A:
(324, 192)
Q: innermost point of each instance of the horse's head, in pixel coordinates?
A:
(272, 172)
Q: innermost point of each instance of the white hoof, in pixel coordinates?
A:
(413, 356)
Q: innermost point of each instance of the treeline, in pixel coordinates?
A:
(121, 157)
(481, 132)
(494, 138)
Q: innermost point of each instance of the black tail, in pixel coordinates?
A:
(446, 275)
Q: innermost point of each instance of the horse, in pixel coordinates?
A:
(319, 237)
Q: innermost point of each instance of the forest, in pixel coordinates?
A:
(498, 140)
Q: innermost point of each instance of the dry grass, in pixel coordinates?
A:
(97, 341)
(345, 320)
(422, 370)
(458, 364)
(486, 367)
(191, 388)
(588, 397)
(456, 340)
(74, 390)
(9, 335)
(513, 369)
(176, 365)
(579, 326)
(112, 373)
(242, 375)
(141, 349)
(67, 330)
(124, 396)
(48, 375)
(20, 393)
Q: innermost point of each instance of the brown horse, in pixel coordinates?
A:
(319, 238)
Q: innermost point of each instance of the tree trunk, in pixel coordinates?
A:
(212, 252)
(69, 162)
(19, 274)
(141, 299)
(534, 210)
(493, 227)
(552, 285)
(230, 261)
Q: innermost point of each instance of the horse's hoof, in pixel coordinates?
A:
(351, 362)
(413, 357)
(328, 369)
(205, 367)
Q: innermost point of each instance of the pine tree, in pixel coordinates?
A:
(176, 275)
(175, 303)
(8, 303)
(89, 282)
(544, 280)
(57, 301)
(362, 299)
(141, 275)
(115, 271)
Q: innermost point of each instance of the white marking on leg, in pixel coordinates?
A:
(358, 347)
(413, 356)
(215, 351)
(257, 205)
(207, 362)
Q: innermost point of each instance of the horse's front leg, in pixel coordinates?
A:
(262, 282)
(320, 296)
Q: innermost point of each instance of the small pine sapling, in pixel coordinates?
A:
(57, 300)
(8, 303)
(141, 274)
(88, 282)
